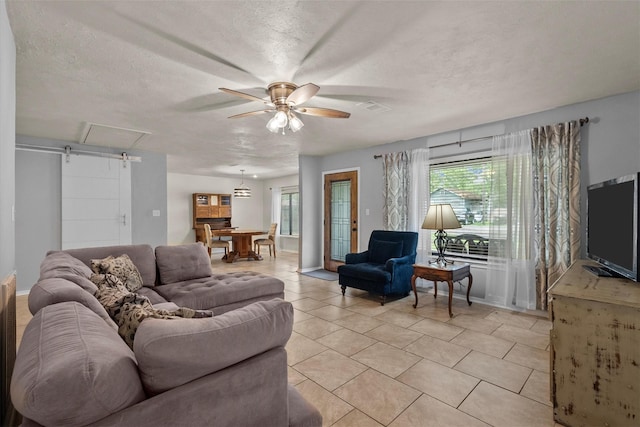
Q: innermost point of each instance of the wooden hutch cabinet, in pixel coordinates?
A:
(214, 209)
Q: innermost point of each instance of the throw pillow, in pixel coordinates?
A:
(129, 309)
(122, 267)
(381, 250)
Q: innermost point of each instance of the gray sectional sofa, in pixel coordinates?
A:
(73, 369)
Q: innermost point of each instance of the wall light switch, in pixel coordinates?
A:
(155, 212)
(366, 212)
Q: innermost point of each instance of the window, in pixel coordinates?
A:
(466, 186)
(289, 212)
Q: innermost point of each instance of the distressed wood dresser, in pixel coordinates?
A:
(595, 349)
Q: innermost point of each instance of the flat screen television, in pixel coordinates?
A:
(613, 225)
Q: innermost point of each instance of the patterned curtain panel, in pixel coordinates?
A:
(556, 178)
(396, 191)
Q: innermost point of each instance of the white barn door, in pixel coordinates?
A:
(96, 202)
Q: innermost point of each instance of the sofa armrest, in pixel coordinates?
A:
(172, 352)
(356, 258)
(56, 290)
(250, 393)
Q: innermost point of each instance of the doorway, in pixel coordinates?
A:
(340, 217)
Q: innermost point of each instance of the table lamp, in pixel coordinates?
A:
(438, 218)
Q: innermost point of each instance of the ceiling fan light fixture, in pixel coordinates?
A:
(285, 99)
(281, 119)
(295, 124)
(272, 125)
(277, 122)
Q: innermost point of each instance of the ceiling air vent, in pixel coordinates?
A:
(111, 136)
(373, 106)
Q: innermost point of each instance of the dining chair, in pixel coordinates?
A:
(217, 243)
(269, 241)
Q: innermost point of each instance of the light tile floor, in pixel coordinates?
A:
(362, 364)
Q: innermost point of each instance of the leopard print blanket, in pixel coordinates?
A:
(129, 309)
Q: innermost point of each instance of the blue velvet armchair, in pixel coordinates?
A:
(385, 268)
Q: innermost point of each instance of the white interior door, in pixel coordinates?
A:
(96, 202)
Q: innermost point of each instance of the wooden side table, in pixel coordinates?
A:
(442, 273)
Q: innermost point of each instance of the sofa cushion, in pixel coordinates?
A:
(129, 309)
(221, 289)
(56, 290)
(72, 369)
(122, 267)
(182, 262)
(57, 264)
(212, 344)
(150, 293)
(366, 271)
(141, 255)
(380, 251)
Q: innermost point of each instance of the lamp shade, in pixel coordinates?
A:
(242, 192)
(440, 217)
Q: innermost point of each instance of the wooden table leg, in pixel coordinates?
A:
(450, 283)
(435, 288)
(413, 286)
(469, 288)
(231, 257)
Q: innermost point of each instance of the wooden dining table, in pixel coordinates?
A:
(242, 243)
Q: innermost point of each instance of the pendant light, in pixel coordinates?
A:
(242, 192)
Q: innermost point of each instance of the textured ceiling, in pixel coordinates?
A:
(437, 66)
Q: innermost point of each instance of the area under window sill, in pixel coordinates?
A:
(473, 261)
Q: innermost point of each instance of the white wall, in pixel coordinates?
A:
(245, 213)
(311, 215)
(7, 144)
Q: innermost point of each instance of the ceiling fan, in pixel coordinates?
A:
(285, 100)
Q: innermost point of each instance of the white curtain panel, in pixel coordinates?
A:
(276, 194)
(395, 191)
(419, 201)
(511, 261)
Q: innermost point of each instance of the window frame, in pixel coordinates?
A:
(288, 193)
(471, 156)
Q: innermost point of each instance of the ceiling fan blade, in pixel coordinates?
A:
(302, 94)
(243, 95)
(183, 43)
(324, 112)
(250, 113)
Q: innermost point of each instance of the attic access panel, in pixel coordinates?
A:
(111, 136)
